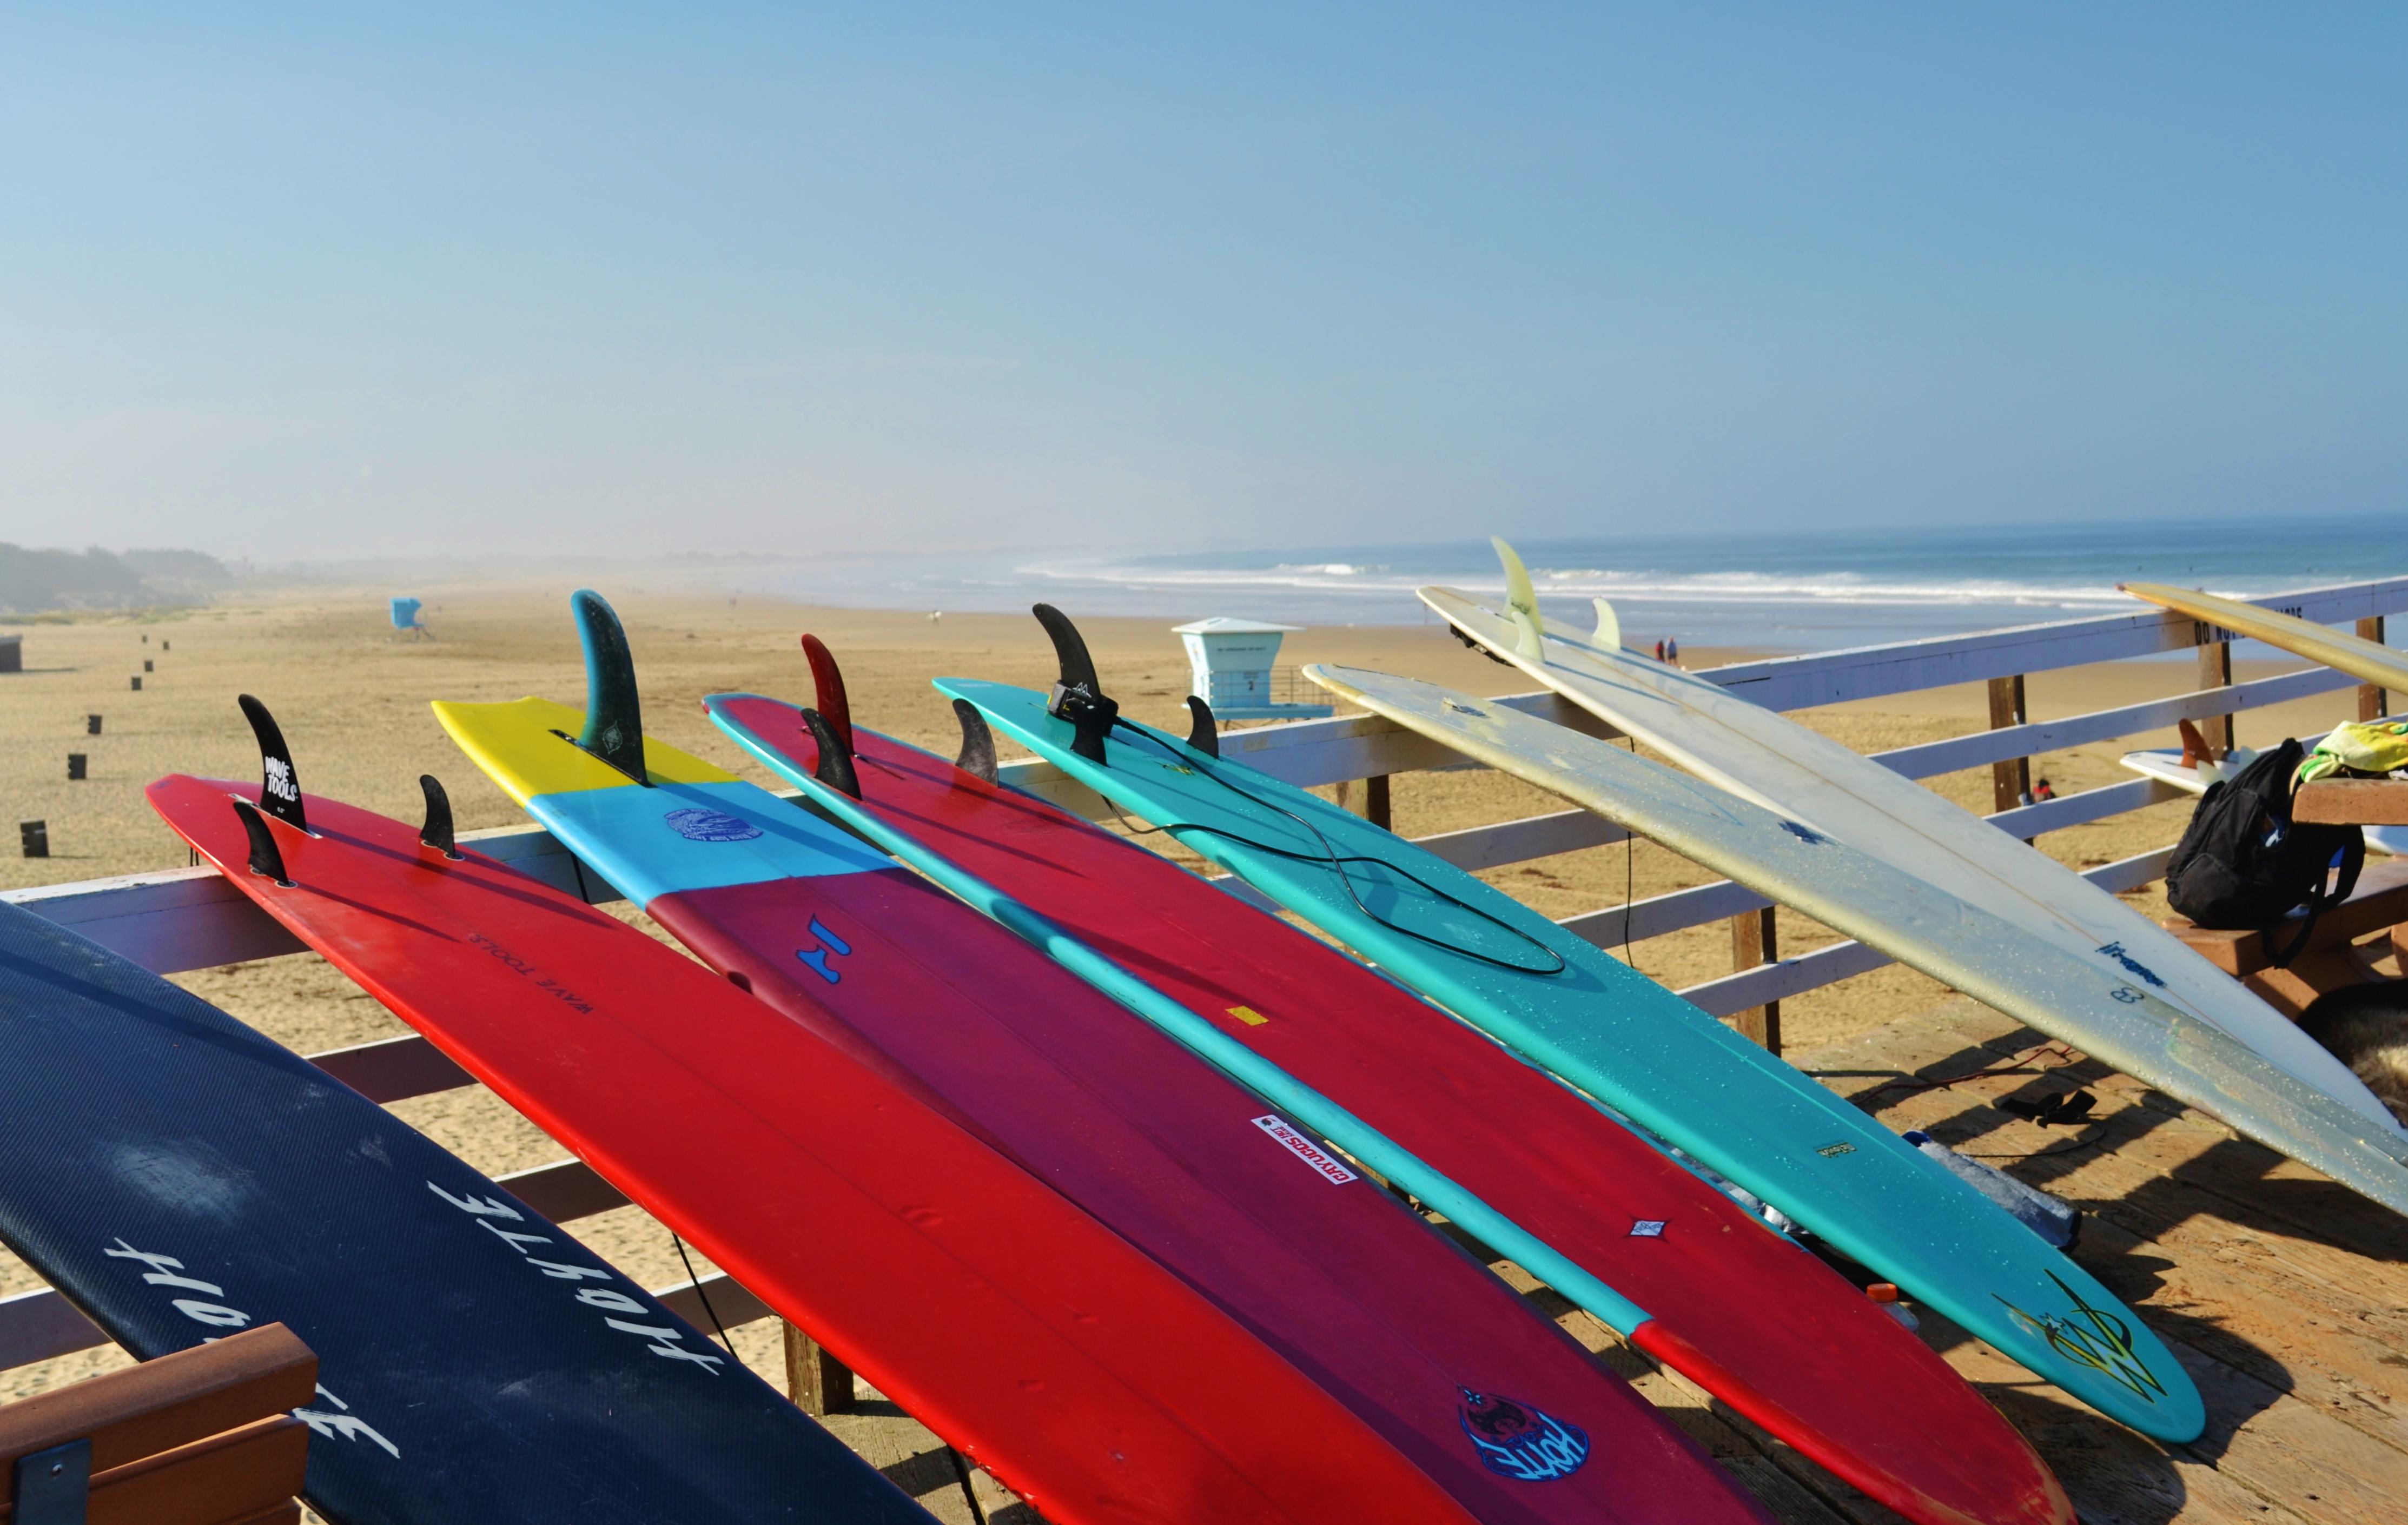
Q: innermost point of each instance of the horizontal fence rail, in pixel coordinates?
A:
(179, 919)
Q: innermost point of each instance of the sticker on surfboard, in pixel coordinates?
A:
(1304, 1148)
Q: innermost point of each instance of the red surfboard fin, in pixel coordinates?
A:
(279, 787)
(437, 832)
(267, 861)
(977, 755)
(827, 689)
(1078, 694)
(614, 720)
(836, 763)
(1203, 731)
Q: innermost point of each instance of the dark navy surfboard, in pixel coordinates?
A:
(178, 1177)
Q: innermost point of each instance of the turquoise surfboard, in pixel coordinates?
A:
(1630, 1044)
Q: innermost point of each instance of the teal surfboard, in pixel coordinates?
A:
(1630, 1044)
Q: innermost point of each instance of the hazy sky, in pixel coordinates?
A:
(322, 281)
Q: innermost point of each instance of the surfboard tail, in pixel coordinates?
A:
(614, 720)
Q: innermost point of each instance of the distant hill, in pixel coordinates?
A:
(32, 581)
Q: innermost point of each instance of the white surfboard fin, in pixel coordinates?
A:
(1609, 625)
(1522, 602)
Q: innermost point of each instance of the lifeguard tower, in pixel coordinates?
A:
(405, 621)
(1230, 661)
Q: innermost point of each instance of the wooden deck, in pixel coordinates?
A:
(2284, 1295)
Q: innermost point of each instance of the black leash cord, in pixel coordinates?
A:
(705, 1298)
(1336, 861)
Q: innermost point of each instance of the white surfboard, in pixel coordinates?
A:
(2105, 1013)
(1798, 773)
(2167, 766)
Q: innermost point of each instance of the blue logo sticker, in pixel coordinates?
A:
(818, 957)
(1517, 1441)
(698, 823)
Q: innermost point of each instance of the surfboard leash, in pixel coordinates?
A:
(704, 1298)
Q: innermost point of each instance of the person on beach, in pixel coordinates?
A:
(1672, 651)
(1659, 650)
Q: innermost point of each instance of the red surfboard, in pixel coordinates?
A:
(1745, 1314)
(1468, 1380)
(1044, 1347)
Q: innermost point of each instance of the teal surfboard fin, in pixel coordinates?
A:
(614, 720)
(1522, 602)
(1609, 625)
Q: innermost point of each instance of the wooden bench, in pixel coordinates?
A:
(204, 1436)
(2332, 959)
(2352, 802)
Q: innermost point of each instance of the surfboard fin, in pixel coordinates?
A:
(1609, 625)
(614, 720)
(266, 860)
(437, 832)
(1078, 694)
(1521, 602)
(827, 690)
(279, 787)
(836, 764)
(1203, 731)
(977, 755)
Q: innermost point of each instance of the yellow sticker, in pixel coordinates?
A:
(1249, 1016)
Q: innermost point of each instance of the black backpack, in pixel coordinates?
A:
(2243, 863)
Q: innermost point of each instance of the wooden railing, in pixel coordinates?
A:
(189, 918)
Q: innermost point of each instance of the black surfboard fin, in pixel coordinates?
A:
(437, 832)
(266, 860)
(978, 742)
(614, 720)
(1203, 731)
(827, 693)
(1078, 694)
(279, 787)
(836, 763)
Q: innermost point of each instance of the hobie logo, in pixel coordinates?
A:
(1518, 1441)
(698, 824)
(829, 945)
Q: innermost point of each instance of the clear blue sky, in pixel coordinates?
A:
(325, 281)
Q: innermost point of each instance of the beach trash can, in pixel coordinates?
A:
(12, 653)
(36, 836)
(91, 725)
(137, 683)
(75, 765)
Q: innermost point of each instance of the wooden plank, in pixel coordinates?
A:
(1674, 911)
(2215, 673)
(166, 1404)
(240, 1475)
(2010, 777)
(394, 1069)
(2353, 802)
(2373, 699)
(717, 1294)
(2380, 900)
(1734, 993)
(816, 1381)
(39, 1325)
(1755, 941)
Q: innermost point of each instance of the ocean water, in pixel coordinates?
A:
(1788, 591)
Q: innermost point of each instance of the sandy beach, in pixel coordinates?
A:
(352, 703)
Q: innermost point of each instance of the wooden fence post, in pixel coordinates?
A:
(2009, 780)
(1753, 943)
(2372, 702)
(819, 1384)
(1368, 798)
(2215, 672)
